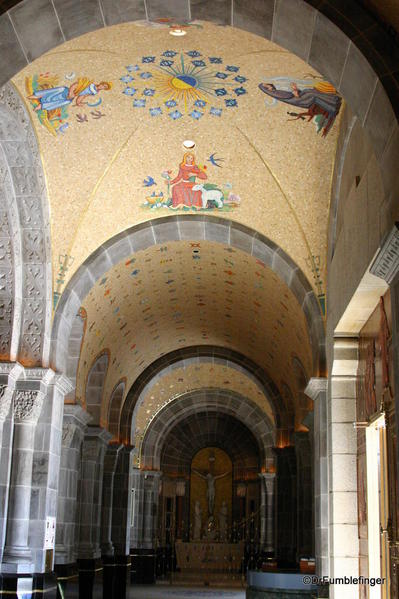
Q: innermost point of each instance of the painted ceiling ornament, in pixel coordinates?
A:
(184, 192)
(51, 100)
(184, 85)
(318, 98)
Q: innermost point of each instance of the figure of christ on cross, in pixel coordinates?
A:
(211, 487)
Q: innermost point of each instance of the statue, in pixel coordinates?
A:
(223, 522)
(210, 479)
(197, 521)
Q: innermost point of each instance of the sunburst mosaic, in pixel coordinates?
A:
(184, 84)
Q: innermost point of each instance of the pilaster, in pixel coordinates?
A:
(317, 391)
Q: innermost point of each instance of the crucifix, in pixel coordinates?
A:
(210, 479)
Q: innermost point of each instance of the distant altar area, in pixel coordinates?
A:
(209, 556)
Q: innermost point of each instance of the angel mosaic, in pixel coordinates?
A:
(320, 100)
(184, 192)
(51, 101)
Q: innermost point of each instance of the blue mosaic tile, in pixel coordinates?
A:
(240, 91)
(232, 68)
(139, 103)
(145, 75)
(196, 114)
(193, 53)
(155, 111)
(169, 53)
(148, 91)
(176, 114)
(220, 75)
(147, 59)
(216, 111)
(220, 91)
(129, 91)
(215, 60)
(231, 103)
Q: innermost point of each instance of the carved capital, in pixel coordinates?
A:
(316, 386)
(27, 405)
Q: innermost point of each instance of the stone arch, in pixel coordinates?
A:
(227, 402)
(115, 404)
(137, 393)
(25, 262)
(330, 48)
(175, 228)
(95, 386)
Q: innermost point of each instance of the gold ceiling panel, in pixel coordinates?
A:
(112, 109)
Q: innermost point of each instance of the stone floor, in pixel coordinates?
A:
(169, 592)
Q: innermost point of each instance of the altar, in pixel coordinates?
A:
(209, 556)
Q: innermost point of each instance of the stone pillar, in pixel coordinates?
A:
(305, 521)
(7, 386)
(90, 494)
(107, 548)
(317, 391)
(37, 409)
(145, 498)
(286, 498)
(270, 480)
(74, 425)
(121, 520)
(342, 452)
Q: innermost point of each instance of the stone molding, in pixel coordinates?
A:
(27, 405)
(316, 386)
(386, 263)
(5, 401)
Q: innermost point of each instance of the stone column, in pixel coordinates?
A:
(107, 548)
(7, 386)
(74, 424)
(267, 521)
(305, 521)
(286, 504)
(121, 520)
(342, 452)
(90, 495)
(317, 391)
(37, 406)
(145, 498)
(270, 482)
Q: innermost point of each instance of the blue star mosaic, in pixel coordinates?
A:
(176, 114)
(129, 91)
(183, 84)
(196, 114)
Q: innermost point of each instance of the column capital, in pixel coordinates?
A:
(75, 413)
(315, 386)
(97, 432)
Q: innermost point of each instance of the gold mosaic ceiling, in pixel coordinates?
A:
(112, 108)
(182, 294)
